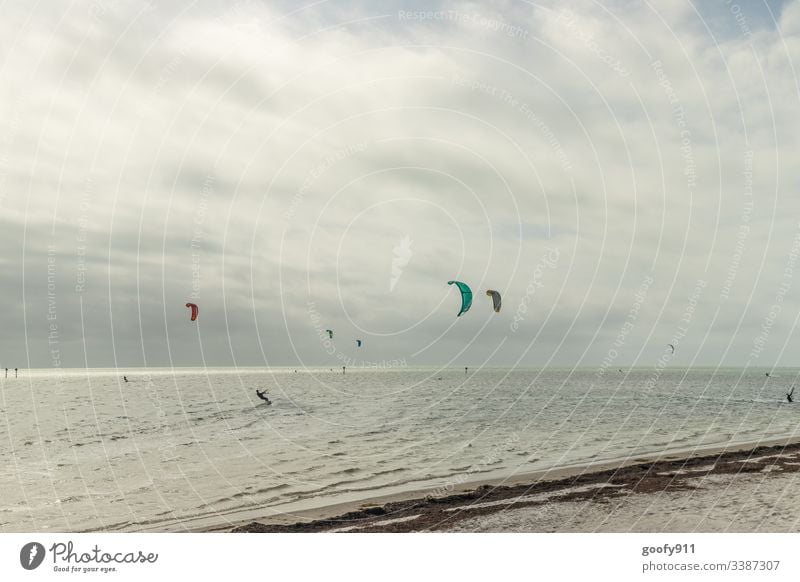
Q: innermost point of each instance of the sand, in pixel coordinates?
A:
(741, 488)
(719, 503)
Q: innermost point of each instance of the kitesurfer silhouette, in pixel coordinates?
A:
(263, 395)
(789, 395)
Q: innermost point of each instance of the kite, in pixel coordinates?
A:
(495, 299)
(194, 309)
(466, 296)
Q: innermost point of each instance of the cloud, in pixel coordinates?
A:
(262, 159)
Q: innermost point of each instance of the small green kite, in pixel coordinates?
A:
(466, 296)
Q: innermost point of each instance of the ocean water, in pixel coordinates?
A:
(183, 448)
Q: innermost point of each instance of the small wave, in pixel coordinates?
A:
(338, 486)
(374, 432)
(261, 491)
(84, 444)
(389, 472)
(248, 424)
(307, 469)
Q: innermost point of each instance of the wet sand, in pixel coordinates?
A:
(743, 487)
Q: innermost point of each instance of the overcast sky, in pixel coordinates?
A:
(624, 173)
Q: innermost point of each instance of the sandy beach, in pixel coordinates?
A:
(738, 488)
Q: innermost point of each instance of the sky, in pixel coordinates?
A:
(624, 173)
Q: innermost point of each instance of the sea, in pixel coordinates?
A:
(189, 449)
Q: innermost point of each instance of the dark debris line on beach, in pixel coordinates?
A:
(431, 513)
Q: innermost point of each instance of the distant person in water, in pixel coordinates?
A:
(15, 372)
(125, 378)
(263, 395)
(466, 370)
(789, 395)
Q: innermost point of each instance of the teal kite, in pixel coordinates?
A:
(330, 333)
(358, 343)
(466, 296)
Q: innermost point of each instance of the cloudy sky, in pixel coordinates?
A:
(625, 173)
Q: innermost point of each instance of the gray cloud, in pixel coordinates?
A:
(261, 158)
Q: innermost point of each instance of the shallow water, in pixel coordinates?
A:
(84, 451)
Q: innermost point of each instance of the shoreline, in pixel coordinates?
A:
(419, 510)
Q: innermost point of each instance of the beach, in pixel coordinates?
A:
(743, 488)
